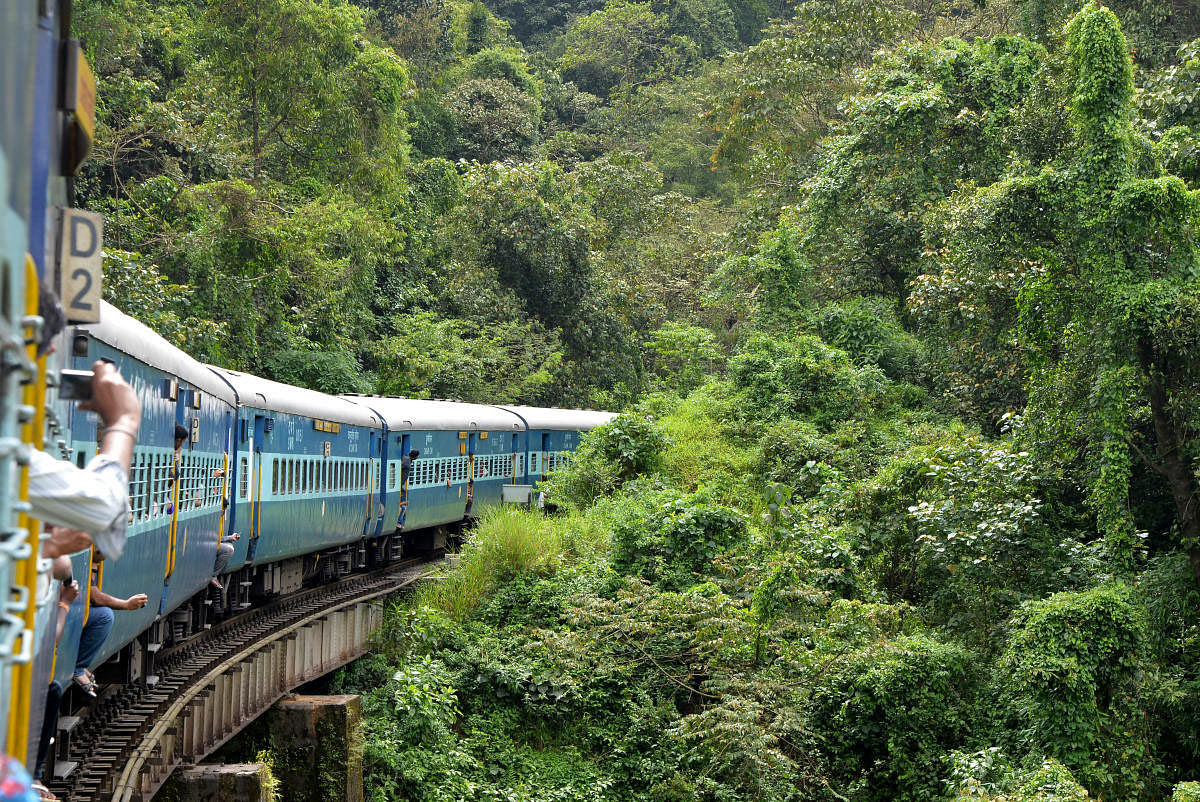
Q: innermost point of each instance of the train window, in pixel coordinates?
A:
(243, 479)
(391, 476)
(307, 488)
(312, 476)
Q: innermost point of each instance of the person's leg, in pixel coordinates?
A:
(99, 624)
(224, 552)
(49, 722)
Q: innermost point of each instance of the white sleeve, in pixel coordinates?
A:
(95, 500)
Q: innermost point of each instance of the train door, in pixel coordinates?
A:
(258, 441)
(229, 480)
(516, 459)
(369, 526)
(471, 440)
(405, 478)
(181, 477)
(544, 455)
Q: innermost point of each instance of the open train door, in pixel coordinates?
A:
(178, 476)
(262, 428)
(405, 479)
(374, 517)
(471, 441)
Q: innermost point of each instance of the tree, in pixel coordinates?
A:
(624, 45)
(283, 59)
(1106, 295)
(496, 120)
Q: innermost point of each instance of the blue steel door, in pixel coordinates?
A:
(470, 471)
(257, 443)
(377, 489)
(182, 396)
(405, 447)
(515, 458)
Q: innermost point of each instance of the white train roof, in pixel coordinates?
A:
(573, 420)
(131, 336)
(255, 391)
(419, 414)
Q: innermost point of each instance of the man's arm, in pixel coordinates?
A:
(66, 596)
(93, 500)
(120, 413)
(101, 599)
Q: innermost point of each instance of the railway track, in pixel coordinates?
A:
(217, 682)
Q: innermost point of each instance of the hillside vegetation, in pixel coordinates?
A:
(900, 301)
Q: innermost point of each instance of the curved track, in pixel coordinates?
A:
(216, 683)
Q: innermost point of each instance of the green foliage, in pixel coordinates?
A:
(671, 539)
(328, 372)
(773, 285)
(869, 331)
(496, 120)
(886, 714)
(802, 376)
(141, 291)
(1186, 792)
(608, 456)
(624, 44)
(987, 775)
(683, 356)
(1071, 681)
(507, 543)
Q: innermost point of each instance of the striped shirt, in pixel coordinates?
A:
(94, 499)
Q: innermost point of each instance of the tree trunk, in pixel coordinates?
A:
(1173, 467)
(255, 127)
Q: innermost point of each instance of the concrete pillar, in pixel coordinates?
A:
(317, 743)
(219, 782)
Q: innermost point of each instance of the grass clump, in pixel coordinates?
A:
(508, 542)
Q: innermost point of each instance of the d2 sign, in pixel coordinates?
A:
(82, 265)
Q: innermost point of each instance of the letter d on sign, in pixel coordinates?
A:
(82, 267)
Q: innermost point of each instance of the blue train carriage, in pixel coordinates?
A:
(307, 486)
(176, 510)
(37, 153)
(553, 434)
(468, 452)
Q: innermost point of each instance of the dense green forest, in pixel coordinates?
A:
(899, 299)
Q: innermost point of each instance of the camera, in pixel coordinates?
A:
(75, 385)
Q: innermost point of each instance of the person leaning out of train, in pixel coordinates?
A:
(92, 500)
(224, 552)
(68, 591)
(406, 463)
(99, 624)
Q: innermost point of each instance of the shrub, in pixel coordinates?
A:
(886, 714)
(629, 445)
(1186, 792)
(508, 542)
(669, 538)
(1071, 687)
(803, 377)
(870, 332)
(987, 776)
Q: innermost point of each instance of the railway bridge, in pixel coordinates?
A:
(211, 687)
